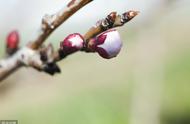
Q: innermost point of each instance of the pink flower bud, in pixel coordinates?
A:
(13, 40)
(72, 43)
(108, 44)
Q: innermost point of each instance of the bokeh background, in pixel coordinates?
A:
(148, 83)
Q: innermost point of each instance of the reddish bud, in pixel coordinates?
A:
(72, 43)
(108, 44)
(112, 16)
(71, 3)
(129, 15)
(13, 40)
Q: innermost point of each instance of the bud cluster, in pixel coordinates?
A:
(108, 44)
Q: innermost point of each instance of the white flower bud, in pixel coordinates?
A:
(108, 44)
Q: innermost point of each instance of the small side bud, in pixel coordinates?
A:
(72, 43)
(12, 42)
(129, 15)
(112, 16)
(108, 44)
(108, 22)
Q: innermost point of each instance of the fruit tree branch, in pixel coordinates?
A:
(49, 24)
(101, 38)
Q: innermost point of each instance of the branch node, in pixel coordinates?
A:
(47, 21)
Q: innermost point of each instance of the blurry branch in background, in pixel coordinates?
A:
(43, 58)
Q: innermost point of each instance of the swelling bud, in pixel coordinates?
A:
(107, 45)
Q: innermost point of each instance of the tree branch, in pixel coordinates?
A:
(43, 58)
(111, 21)
(49, 24)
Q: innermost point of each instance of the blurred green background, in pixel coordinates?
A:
(148, 83)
